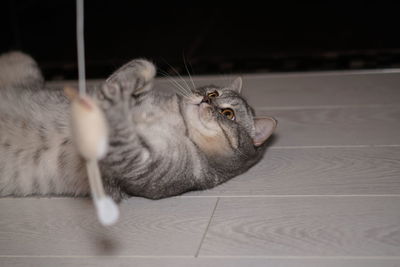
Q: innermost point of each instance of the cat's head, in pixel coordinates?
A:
(224, 126)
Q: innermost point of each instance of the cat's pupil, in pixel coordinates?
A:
(228, 113)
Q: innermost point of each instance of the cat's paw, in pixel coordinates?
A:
(145, 69)
(112, 92)
(113, 101)
(118, 94)
(135, 77)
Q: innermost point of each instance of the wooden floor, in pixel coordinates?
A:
(327, 192)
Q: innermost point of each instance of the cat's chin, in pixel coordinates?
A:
(205, 114)
(204, 130)
(200, 119)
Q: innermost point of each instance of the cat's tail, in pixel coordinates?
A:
(19, 68)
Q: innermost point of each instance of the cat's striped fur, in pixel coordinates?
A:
(161, 143)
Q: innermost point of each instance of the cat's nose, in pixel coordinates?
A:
(206, 99)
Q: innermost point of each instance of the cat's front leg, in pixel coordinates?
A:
(128, 151)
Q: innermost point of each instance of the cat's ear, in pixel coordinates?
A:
(236, 85)
(264, 127)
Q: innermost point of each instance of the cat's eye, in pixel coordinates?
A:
(213, 94)
(228, 113)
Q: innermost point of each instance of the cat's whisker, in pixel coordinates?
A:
(183, 91)
(186, 98)
(187, 70)
(179, 87)
(167, 74)
(179, 76)
(179, 90)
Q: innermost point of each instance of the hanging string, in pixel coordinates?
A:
(90, 132)
(81, 47)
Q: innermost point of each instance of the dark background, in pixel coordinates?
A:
(212, 37)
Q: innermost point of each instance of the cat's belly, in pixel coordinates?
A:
(36, 160)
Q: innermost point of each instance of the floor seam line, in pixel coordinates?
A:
(293, 196)
(220, 196)
(206, 230)
(283, 257)
(99, 256)
(333, 146)
(301, 257)
(350, 106)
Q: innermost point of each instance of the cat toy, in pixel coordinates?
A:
(90, 132)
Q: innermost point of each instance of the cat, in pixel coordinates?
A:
(161, 143)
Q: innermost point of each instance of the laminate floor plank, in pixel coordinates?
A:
(342, 126)
(317, 171)
(317, 226)
(195, 262)
(319, 89)
(69, 227)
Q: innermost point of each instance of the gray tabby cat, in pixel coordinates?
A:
(161, 143)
